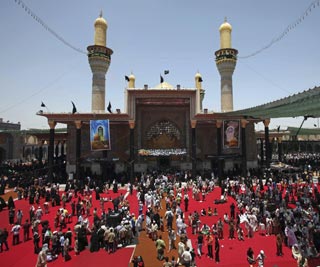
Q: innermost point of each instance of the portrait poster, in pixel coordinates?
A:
(231, 133)
(100, 135)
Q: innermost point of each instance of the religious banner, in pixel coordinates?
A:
(231, 133)
(100, 135)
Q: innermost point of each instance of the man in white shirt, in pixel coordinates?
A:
(186, 257)
(16, 233)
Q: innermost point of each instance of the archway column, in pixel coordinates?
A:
(244, 146)
(219, 148)
(193, 147)
(266, 123)
(52, 125)
(78, 125)
(279, 148)
(131, 151)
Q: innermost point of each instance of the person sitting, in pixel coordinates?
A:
(215, 212)
(205, 229)
(209, 211)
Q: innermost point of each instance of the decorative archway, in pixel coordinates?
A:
(163, 134)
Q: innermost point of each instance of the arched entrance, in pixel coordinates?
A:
(164, 136)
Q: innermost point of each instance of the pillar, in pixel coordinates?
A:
(244, 147)
(219, 148)
(280, 149)
(193, 147)
(131, 152)
(261, 151)
(266, 141)
(78, 147)
(52, 125)
(62, 148)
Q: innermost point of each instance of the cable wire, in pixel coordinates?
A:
(289, 28)
(46, 27)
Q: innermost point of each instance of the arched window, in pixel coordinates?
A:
(163, 127)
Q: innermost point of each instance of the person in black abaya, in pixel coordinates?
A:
(82, 238)
(94, 241)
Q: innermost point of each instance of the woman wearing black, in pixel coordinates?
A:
(250, 257)
(217, 249)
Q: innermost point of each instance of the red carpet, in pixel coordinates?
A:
(233, 252)
(22, 254)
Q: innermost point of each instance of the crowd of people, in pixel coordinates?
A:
(284, 205)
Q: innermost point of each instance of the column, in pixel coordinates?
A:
(219, 148)
(52, 125)
(193, 147)
(131, 151)
(78, 147)
(56, 151)
(261, 152)
(280, 149)
(62, 148)
(266, 140)
(244, 147)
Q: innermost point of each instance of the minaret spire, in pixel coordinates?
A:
(226, 59)
(99, 59)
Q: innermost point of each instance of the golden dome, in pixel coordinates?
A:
(165, 86)
(101, 21)
(132, 77)
(198, 75)
(225, 26)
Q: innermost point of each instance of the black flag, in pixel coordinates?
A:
(161, 79)
(278, 129)
(109, 107)
(200, 80)
(43, 105)
(166, 72)
(315, 125)
(74, 109)
(127, 78)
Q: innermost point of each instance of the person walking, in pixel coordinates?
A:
(186, 202)
(200, 244)
(11, 216)
(260, 258)
(209, 240)
(26, 230)
(16, 234)
(160, 245)
(186, 257)
(19, 216)
(217, 249)
(279, 241)
(42, 257)
(172, 239)
(4, 239)
(250, 257)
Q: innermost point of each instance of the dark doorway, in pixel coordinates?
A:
(164, 163)
(2, 155)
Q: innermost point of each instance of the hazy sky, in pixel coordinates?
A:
(148, 37)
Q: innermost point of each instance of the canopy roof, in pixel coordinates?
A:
(306, 103)
(303, 131)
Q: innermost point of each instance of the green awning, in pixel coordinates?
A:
(306, 103)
